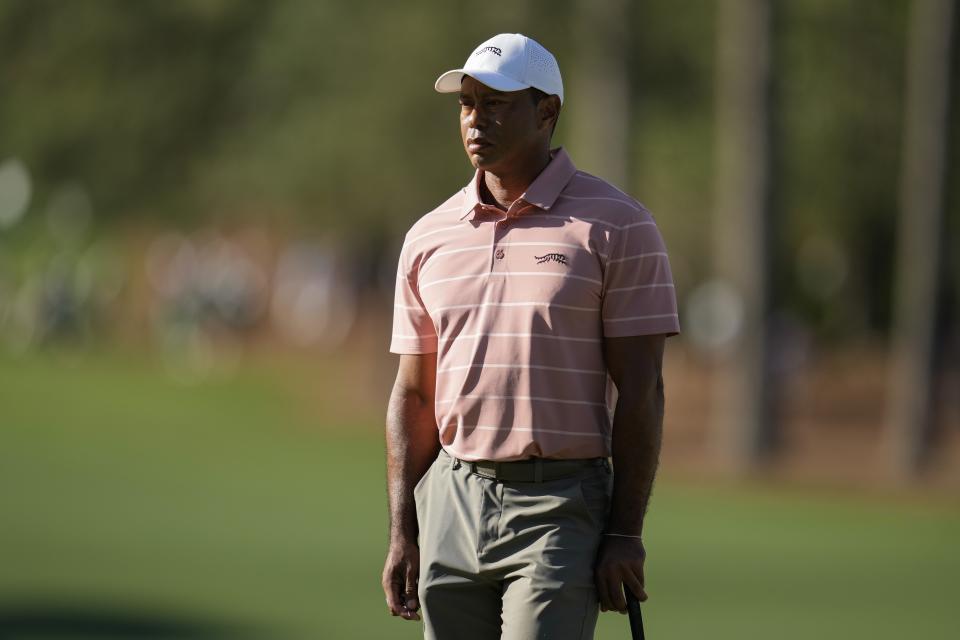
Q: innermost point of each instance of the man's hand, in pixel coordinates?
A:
(400, 575)
(619, 565)
(635, 364)
(412, 445)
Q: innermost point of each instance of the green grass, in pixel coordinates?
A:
(124, 493)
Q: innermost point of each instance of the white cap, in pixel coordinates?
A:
(508, 62)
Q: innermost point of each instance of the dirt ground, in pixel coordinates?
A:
(831, 414)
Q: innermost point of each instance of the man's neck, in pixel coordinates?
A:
(501, 190)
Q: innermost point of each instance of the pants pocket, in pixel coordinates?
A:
(418, 488)
(421, 493)
(595, 489)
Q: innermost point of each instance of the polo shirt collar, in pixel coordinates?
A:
(542, 192)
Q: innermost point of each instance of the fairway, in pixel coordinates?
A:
(130, 499)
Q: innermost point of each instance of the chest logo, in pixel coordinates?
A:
(552, 257)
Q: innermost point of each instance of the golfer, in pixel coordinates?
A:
(529, 306)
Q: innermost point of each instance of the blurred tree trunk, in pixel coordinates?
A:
(600, 90)
(743, 403)
(918, 267)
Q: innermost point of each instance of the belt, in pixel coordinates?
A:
(533, 470)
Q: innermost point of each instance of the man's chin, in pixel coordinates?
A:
(482, 161)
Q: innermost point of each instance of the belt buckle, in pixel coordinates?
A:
(484, 471)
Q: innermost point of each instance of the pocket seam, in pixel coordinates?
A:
(586, 504)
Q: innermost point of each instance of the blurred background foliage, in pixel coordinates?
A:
(320, 115)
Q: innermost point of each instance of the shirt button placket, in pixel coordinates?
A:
(498, 252)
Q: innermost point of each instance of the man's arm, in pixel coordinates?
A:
(412, 445)
(635, 364)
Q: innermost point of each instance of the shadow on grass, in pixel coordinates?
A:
(70, 621)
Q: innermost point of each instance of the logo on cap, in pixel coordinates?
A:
(495, 50)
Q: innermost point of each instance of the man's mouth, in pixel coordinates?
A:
(476, 144)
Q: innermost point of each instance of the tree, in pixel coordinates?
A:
(919, 253)
(600, 130)
(743, 406)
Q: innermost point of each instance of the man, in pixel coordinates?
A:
(521, 302)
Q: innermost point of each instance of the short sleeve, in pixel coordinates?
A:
(413, 330)
(638, 290)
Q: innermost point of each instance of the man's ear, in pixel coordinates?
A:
(548, 112)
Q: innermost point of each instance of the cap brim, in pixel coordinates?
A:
(450, 81)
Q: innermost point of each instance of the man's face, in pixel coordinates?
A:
(500, 130)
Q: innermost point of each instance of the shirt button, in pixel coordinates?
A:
(499, 254)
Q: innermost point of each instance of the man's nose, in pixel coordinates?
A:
(476, 118)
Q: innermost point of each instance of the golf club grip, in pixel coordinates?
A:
(633, 611)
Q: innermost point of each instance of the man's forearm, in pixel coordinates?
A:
(412, 445)
(637, 434)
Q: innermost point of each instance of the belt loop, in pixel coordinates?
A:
(538, 470)
(454, 462)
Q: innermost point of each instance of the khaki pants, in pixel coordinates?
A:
(509, 560)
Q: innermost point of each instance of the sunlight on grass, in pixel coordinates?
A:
(126, 492)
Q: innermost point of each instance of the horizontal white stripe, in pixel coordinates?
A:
(601, 181)
(517, 335)
(462, 249)
(643, 223)
(607, 223)
(668, 285)
(424, 287)
(544, 244)
(546, 274)
(638, 256)
(632, 205)
(650, 317)
(413, 336)
(487, 365)
(484, 427)
(491, 246)
(430, 233)
(485, 396)
(425, 266)
(572, 217)
(590, 177)
(537, 274)
(516, 304)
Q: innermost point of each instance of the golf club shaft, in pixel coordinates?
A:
(633, 611)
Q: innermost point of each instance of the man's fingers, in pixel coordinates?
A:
(407, 614)
(393, 586)
(615, 589)
(610, 591)
(410, 600)
(641, 587)
(400, 575)
(635, 584)
(410, 590)
(602, 592)
(393, 589)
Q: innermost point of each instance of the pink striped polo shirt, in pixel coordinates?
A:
(516, 306)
